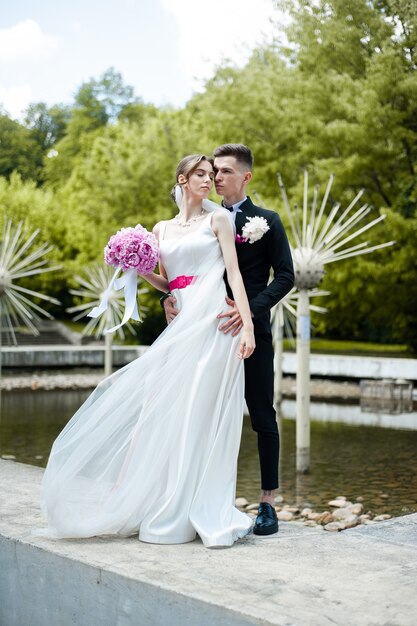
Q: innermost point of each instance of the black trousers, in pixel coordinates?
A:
(259, 395)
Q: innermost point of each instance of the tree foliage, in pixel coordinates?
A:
(19, 151)
(98, 103)
(338, 97)
(23, 201)
(48, 124)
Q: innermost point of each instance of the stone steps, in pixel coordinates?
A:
(51, 333)
(43, 339)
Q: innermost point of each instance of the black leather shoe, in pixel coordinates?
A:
(266, 521)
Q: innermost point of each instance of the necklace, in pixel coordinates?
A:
(187, 223)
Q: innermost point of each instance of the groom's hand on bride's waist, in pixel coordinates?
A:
(233, 323)
(170, 308)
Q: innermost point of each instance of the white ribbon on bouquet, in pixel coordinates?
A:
(127, 282)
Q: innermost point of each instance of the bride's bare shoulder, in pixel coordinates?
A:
(157, 228)
(220, 219)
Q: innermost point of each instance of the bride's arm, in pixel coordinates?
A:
(159, 281)
(224, 232)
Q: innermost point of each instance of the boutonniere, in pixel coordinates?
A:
(254, 229)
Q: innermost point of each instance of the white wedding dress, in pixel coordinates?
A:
(154, 448)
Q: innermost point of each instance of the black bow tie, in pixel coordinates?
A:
(229, 208)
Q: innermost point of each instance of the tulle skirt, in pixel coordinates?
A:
(153, 450)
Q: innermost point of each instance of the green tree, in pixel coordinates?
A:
(360, 69)
(97, 103)
(20, 151)
(24, 201)
(48, 124)
(125, 178)
(375, 297)
(339, 98)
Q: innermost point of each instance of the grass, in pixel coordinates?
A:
(358, 348)
(76, 327)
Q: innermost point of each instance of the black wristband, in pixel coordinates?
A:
(163, 298)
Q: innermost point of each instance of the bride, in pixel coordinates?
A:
(153, 450)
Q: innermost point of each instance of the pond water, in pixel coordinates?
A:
(378, 463)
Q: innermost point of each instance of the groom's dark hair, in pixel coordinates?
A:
(242, 153)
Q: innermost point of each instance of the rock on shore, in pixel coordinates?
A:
(48, 382)
(342, 513)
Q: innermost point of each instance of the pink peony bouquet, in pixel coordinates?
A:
(133, 248)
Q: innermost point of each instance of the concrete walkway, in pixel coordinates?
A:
(365, 576)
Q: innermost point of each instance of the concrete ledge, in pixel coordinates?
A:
(64, 591)
(323, 365)
(302, 576)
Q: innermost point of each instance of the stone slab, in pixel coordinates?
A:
(300, 577)
(399, 530)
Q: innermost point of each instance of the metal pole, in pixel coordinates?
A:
(108, 361)
(1, 340)
(303, 383)
(108, 342)
(278, 354)
(1, 347)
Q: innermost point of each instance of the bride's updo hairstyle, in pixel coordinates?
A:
(186, 167)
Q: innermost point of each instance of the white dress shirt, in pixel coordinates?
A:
(236, 207)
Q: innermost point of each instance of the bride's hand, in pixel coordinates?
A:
(247, 344)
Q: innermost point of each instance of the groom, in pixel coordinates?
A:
(233, 171)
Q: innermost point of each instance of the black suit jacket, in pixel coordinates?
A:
(257, 259)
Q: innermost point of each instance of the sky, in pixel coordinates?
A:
(164, 49)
